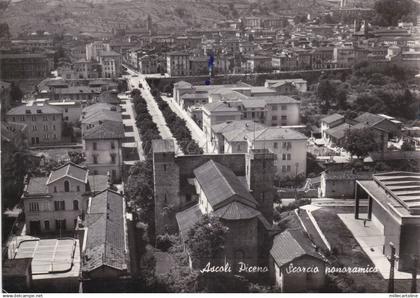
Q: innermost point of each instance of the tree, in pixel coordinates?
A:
(408, 146)
(205, 240)
(389, 12)
(360, 142)
(139, 190)
(342, 99)
(326, 92)
(16, 94)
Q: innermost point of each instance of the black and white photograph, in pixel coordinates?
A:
(210, 146)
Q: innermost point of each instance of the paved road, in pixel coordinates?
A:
(197, 134)
(133, 82)
(128, 106)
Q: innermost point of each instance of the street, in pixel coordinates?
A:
(133, 82)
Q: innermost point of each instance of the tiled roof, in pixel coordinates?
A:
(249, 103)
(106, 234)
(182, 84)
(109, 53)
(219, 183)
(332, 118)
(70, 170)
(187, 218)
(102, 115)
(105, 130)
(219, 107)
(277, 99)
(236, 125)
(278, 133)
(33, 110)
(97, 107)
(290, 245)
(98, 183)
(369, 119)
(236, 210)
(37, 186)
(338, 132)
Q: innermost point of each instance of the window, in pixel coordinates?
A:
(45, 127)
(59, 205)
(66, 110)
(239, 147)
(75, 205)
(283, 156)
(22, 118)
(113, 158)
(60, 224)
(274, 108)
(289, 168)
(55, 188)
(283, 108)
(34, 128)
(274, 118)
(33, 207)
(275, 145)
(112, 145)
(53, 117)
(94, 146)
(284, 117)
(47, 225)
(77, 188)
(75, 222)
(66, 186)
(289, 156)
(33, 118)
(95, 159)
(164, 168)
(53, 126)
(45, 118)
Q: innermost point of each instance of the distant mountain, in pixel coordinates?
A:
(100, 16)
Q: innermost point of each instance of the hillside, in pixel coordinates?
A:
(100, 16)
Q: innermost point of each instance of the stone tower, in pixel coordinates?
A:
(260, 171)
(166, 186)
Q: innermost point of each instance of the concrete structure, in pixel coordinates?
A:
(110, 62)
(340, 184)
(43, 123)
(94, 49)
(394, 208)
(25, 66)
(178, 64)
(55, 263)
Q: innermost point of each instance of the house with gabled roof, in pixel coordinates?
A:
(295, 263)
(53, 204)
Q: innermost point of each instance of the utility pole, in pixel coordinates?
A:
(414, 275)
(391, 259)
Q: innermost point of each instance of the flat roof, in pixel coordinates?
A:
(51, 258)
(402, 186)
